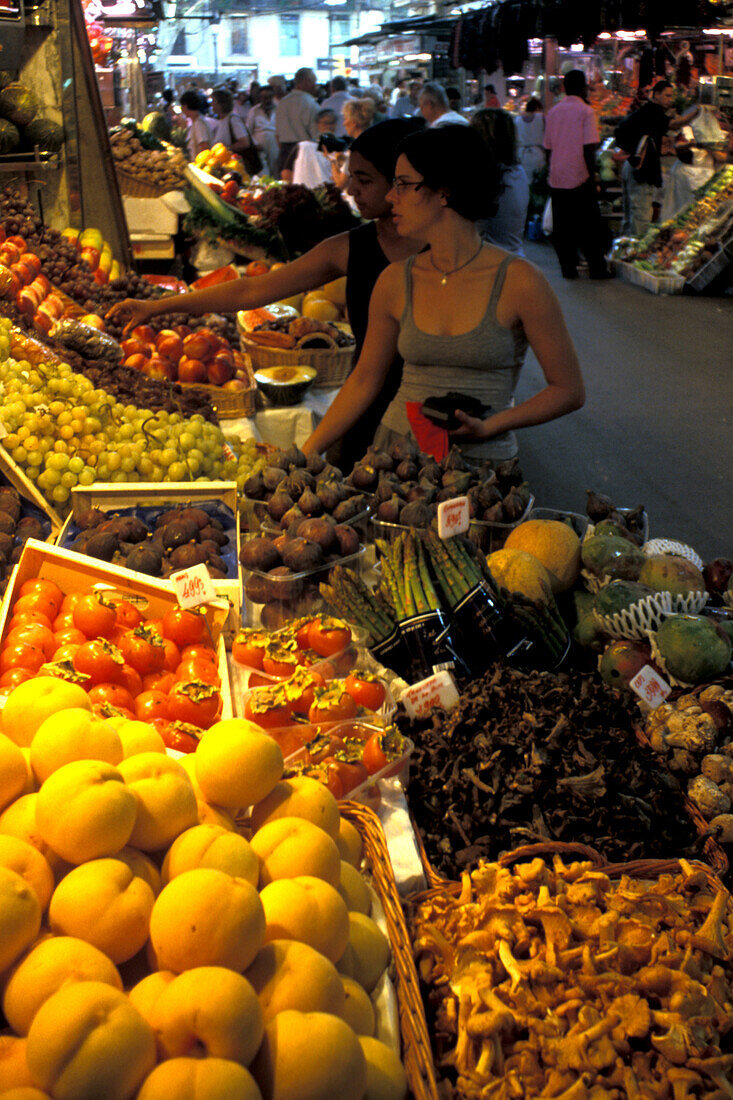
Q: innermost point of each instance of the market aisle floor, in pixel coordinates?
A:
(657, 426)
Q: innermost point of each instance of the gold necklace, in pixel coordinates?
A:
(445, 274)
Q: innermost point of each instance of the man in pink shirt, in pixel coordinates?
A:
(571, 139)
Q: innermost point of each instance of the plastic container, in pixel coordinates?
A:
(255, 517)
(272, 601)
(366, 790)
(487, 536)
(578, 522)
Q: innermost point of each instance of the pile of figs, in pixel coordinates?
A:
(275, 564)
(15, 528)
(409, 485)
(182, 537)
(293, 487)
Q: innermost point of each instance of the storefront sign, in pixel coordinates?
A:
(193, 586)
(437, 691)
(453, 517)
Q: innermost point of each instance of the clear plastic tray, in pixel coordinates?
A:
(290, 597)
(255, 518)
(487, 536)
(366, 792)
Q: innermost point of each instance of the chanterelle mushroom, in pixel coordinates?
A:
(682, 1081)
(709, 937)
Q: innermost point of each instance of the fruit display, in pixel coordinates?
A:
(182, 354)
(143, 156)
(642, 1020)
(283, 219)
(19, 520)
(96, 251)
(158, 540)
(224, 165)
(681, 245)
(273, 328)
(22, 128)
(252, 944)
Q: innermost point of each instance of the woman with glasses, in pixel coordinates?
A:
(361, 255)
(461, 313)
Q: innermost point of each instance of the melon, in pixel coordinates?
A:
(9, 136)
(553, 543)
(156, 124)
(521, 572)
(47, 135)
(18, 104)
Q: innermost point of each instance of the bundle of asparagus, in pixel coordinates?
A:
(353, 601)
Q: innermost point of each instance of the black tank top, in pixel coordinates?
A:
(365, 264)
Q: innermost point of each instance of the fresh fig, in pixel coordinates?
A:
(315, 463)
(145, 559)
(494, 514)
(300, 555)
(717, 574)
(271, 477)
(28, 528)
(509, 473)
(331, 473)
(213, 534)
(380, 460)
(402, 448)
(278, 458)
(598, 506)
(257, 553)
(514, 505)
(330, 495)
(292, 517)
(183, 557)
(254, 487)
(454, 459)
(309, 503)
(416, 514)
(349, 508)
(389, 510)
(197, 515)
(179, 532)
(86, 518)
(301, 479)
(347, 539)
(407, 470)
(102, 546)
(278, 505)
(282, 584)
(320, 530)
(364, 477)
(296, 458)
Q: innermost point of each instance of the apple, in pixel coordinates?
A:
(19, 243)
(257, 267)
(133, 347)
(42, 285)
(13, 286)
(72, 235)
(234, 384)
(196, 346)
(91, 238)
(159, 368)
(101, 276)
(91, 255)
(182, 330)
(10, 253)
(144, 333)
(93, 320)
(28, 302)
(32, 261)
(137, 362)
(169, 344)
(191, 370)
(25, 275)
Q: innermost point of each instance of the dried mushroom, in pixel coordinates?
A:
(531, 992)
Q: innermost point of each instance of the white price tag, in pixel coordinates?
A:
(437, 691)
(453, 517)
(650, 686)
(228, 452)
(193, 586)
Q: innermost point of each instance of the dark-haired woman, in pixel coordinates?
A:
(361, 255)
(461, 314)
(505, 227)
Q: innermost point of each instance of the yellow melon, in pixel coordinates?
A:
(320, 309)
(553, 543)
(521, 572)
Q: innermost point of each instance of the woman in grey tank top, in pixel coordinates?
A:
(461, 313)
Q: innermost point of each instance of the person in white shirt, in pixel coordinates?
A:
(261, 123)
(199, 135)
(435, 108)
(231, 129)
(295, 115)
(335, 102)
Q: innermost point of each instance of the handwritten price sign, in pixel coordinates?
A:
(453, 517)
(650, 686)
(437, 691)
(193, 586)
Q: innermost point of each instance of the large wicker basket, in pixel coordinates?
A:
(140, 189)
(228, 404)
(333, 366)
(416, 1053)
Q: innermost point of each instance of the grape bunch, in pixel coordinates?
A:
(63, 431)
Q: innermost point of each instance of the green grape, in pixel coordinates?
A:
(193, 465)
(156, 474)
(60, 494)
(118, 476)
(102, 471)
(146, 466)
(32, 472)
(76, 464)
(167, 456)
(57, 461)
(20, 455)
(87, 476)
(35, 458)
(68, 479)
(113, 461)
(186, 440)
(11, 442)
(178, 471)
(195, 455)
(127, 465)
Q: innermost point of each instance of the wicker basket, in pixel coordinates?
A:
(333, 367)
(416, 1053)
(139, 189)
(228, 404)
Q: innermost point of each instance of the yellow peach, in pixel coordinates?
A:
(138, 737)
(309, 910)
(85, 810)
(290, 975)
(31, 703)
(20, 916)
(300, 796)
(146, 993)
(386, 1078)
(354, 890)
(367, 953)
(13, 771)
(237, 764)
(73, 734)
(141, 866)
(349, 842)
(19, 820)
(309, 1056)
(211, 846)
(199, 1079)
(166, 803)
(210, 1009)
(290, 846)
(22, 857)
(359, 1010)
(14, 1072)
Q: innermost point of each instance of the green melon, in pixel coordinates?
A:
(47, 135)
(156, 124)
(619, 596)
(18, 104)
(9, 136)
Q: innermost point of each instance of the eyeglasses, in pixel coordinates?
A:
(400, 186)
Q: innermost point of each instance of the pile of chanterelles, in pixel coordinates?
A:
(555, 980)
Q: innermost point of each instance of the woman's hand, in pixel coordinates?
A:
(133, 311)
(472, 427)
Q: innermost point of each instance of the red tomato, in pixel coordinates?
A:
(150, 705)
(70, 601)
(204, 651)
(301, 634)
(15, 676)
(328, 636)
(37, 635)
(36, 601)
(194, 703)
(176, 735)
(128, 615)
(71, 636)
(26, 617)
(64, 621)
(21, 655)
(143, 649)
(333, 705)
(268, 707)
(41, 586)
(95, 616)
(172, 655)
(366, 690)
(131, 679)
(99, 660)
(65, 652)
(159, 681)
(197, 668)
(184, 627)
(374, 757)
(248, 648)
(114, 694)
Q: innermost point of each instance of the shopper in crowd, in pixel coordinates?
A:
(261, 124)
(295, 115)
(408, 105)
(530, 125)
(193, 105)
(231, 129)
(640, 136)
(461, 314)
(381, 107)
(167, 109)
(400, 89)
(455, 101)
(435, 109)
(571, 139)
(491, 99)
(279, 86)
(359, 115)
(336, 100)
(361, 255)
(505, 227)
(309, 163)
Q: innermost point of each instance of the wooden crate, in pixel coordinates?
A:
(110, 497)
(77, 573)
(28, 490)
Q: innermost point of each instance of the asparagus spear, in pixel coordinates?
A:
(424, 569)
(449, 578)
(403, 575)
(413, 574)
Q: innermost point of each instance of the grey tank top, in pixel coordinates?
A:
(484, 362)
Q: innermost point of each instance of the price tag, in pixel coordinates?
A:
(650, 686)
(228, 452)
(453, 517)
(437, 691)
(193, 586)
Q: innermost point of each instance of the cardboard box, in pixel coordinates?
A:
(77, 573)
(114, 496)
(149, 216)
